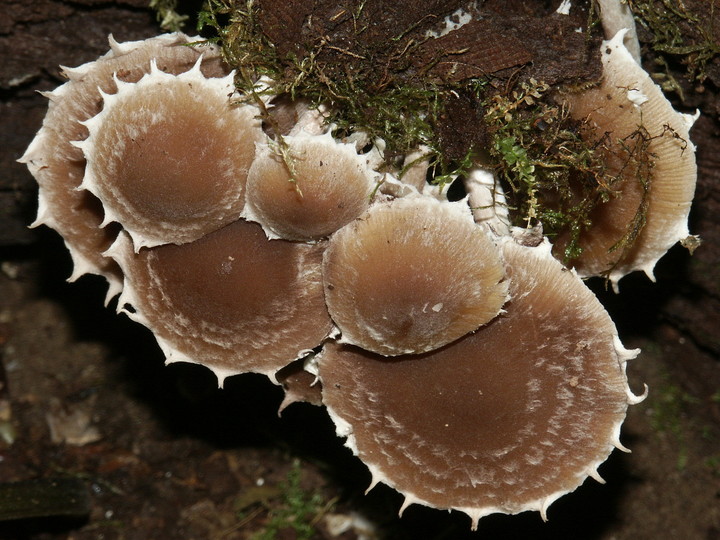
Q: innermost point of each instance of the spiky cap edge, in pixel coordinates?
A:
(680, 229)
(344, 429)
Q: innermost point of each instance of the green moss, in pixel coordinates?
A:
(676, 30)
(291, 507)
(243, 45)
(668, 413)
(402, 114)
(170, 20)
(551, 174)
(556, 177)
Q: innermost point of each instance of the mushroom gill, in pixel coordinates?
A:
(58, 166)
(233, 301)
(650, 166)
(308, 187)
(168, 156)
(505, 419)
(389, 284)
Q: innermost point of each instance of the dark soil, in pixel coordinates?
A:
(162, 453)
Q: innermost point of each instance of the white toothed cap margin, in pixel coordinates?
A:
(626, 99)
(232, 301)
(595, 475)
(120, 49)
(673, 232)
(76, 73)
(56, 94)
(168, 156)
(33, 156)
(617, 16)
(625, 355)
(434, 433)
(44, 216)
(615, 440)
(58, 166)
(308, 188)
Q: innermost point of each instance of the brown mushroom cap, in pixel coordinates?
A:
(412, 275)
(627, 100)
(300, 386)
(168, 156)
(316, 188)
(58, 166)
(233, 301)
(506, 419)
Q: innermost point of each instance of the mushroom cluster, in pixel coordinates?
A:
(464, 364)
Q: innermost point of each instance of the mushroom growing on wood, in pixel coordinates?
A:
(168, 156)
(471, 372)
(507, 418)
(58, 166)
(233, 301)
(411, 275)
(308, 187)
(650, 165)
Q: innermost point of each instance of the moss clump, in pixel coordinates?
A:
(679, 29)
(553, 175)
(556, 177)
(557, 168)
(403, 114)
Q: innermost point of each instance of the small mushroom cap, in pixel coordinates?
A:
(627, 100)
(233, 301)
(506, 419)
(308, 190)
(300, 386)
(168, 156)
(412, 275)
(58, 166)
